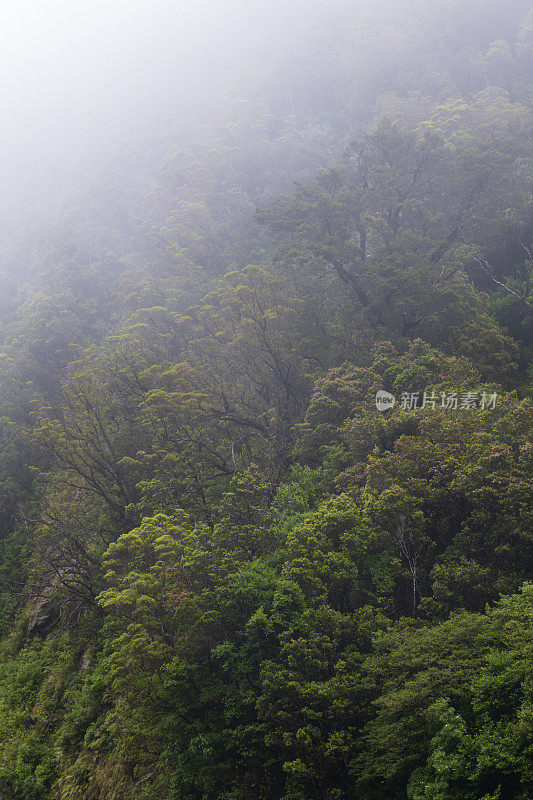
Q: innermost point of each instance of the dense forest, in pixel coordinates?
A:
(226, 571)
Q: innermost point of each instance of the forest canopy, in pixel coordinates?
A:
(228, 572)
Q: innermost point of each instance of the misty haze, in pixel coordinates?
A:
(266, 400)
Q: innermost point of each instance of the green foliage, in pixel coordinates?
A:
(224, 573)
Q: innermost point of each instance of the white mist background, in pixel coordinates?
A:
(76, 75)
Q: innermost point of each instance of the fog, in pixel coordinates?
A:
(77, 76)
(229, 229)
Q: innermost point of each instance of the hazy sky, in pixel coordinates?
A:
(74, 72)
